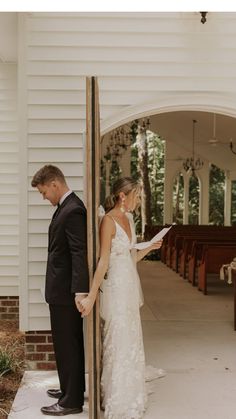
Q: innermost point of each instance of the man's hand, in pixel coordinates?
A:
(86, 306)
(78, 299)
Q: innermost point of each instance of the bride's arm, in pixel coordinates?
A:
(107, 231)
(141, 253)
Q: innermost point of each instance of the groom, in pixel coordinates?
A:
(67, 283)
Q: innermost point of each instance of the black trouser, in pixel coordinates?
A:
(68, 342)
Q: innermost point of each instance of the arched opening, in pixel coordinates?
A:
(195, 186)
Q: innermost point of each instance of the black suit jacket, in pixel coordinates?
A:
(67, 267)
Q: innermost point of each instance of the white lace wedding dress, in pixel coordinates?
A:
(123, 386)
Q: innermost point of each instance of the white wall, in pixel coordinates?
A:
(140, 59)
(9, 183)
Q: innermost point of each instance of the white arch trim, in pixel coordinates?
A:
(222, 103)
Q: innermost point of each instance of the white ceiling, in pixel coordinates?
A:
(177, 127)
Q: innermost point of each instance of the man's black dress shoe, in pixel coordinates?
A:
(56, 393)
(57, 410)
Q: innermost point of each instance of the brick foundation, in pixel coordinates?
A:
(39, 353)
(9, 308)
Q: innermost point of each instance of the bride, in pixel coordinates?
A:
(123, 373)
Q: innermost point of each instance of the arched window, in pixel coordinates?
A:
(178, 199)
(193, 211)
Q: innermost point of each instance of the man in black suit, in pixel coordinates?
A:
(67, 282)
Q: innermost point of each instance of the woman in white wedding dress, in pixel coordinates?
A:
(123, 371)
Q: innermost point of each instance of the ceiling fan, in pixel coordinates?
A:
(213, 140)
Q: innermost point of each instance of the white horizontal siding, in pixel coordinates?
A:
(121, 86)
(38, 254)
(137, 57)
(36, 282)
(6, 253)
(9, 229)
(6, 240)
(130, 54)
(9, 273)
(133, 39)
(138, 69)
(59, 140)
(38, 309)
(39, 226)
(36, 296)
(38, 240)
(9, 183)
(60, 155)
(9, 168)
(72, 168)
(53, 126)
(10, 290)
(39, 323)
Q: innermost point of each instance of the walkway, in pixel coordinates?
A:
(189, 335)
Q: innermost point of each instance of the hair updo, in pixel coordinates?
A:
(126, 185)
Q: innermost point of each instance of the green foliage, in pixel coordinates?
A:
(178, 199)
(156, 154)
(134, 168)
(233, 207)
(115, 172)
(102, 181)
(156, 173)
(8, 361)
(193, 200)
(216, 195)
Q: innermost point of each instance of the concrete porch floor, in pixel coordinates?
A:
(188, 334)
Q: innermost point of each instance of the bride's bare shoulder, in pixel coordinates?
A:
(107, 222)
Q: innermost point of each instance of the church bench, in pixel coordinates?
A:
(196, 254)
(213, 257)
(188, 252)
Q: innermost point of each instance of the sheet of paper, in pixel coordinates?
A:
(155, 239)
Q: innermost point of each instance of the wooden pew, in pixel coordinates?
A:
(213, 257)
(170, 246)
(180, 249)
(197, 252)
(192, 251)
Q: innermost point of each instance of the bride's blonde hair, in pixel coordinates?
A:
(126, 185)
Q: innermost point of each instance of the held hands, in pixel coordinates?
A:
(85, 306)
(78, 299)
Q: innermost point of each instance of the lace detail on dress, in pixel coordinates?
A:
(123, 375)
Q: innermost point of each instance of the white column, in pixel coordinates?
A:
(228, 196)
(186, 198)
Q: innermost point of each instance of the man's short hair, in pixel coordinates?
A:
(47, 174)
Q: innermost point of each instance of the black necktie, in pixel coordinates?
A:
(56, 212)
